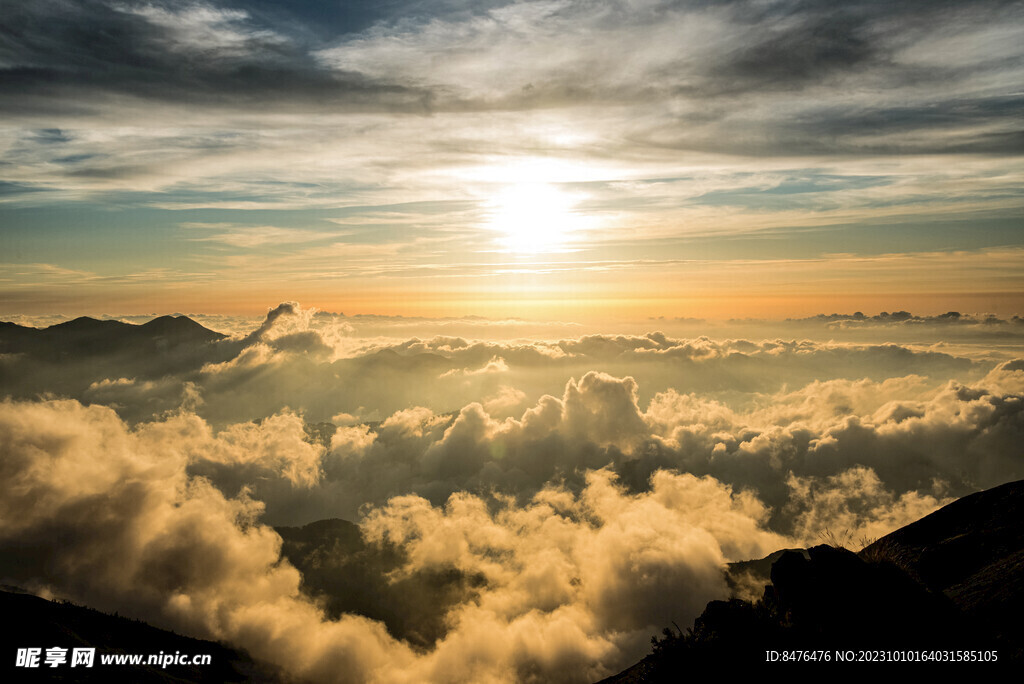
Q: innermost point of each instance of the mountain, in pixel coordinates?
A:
(86, 336)
(34, 622)
(70, 359)
(180, 326)
(971, 551)
(953, 580)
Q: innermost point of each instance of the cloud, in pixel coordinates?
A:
(570, 583)
(259, 236)
(908, 430)
(792, 52)
(691, 60)
(575, 567)
(506, 399)
(711, 53)
(495, 365)
(204, 29)
(300, 358)
(552, 503)
(134, 530)
(227, 52)
(102, 514)
(855, 507)
(251, 106)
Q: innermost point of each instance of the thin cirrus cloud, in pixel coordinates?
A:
(507, 57)
(256, 236)
(660, 123)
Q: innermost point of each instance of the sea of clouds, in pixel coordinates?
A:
(592, 486)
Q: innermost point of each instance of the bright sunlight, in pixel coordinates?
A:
(534, 217)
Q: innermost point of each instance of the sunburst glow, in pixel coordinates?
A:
(535, 217)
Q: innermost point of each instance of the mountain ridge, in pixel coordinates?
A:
(952, 580)
(92, 336)
(45, 624)
(70, 358)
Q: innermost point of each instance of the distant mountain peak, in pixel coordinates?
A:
(87, 336)
(86, 323)
(176, 323)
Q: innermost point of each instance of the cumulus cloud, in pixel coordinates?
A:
(909, 432)
(854, 507)
(559, 499)
(496, 413)
(303, 369)
(100, 514)
(571, 583)
(505, 400)
(585, 572)
(495, 365)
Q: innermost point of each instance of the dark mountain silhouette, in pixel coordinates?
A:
(952, 580)
(180, 326)
(34, 622)
(973, 552)
(758, 572)
(68, 358)
(86, 336)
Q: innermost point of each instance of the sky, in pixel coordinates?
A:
(552, 159)
(564, 305)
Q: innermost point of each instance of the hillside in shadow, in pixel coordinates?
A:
(38, 623)
(953, 580)
(69, 358)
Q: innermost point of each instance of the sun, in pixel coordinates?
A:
(533, 217)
